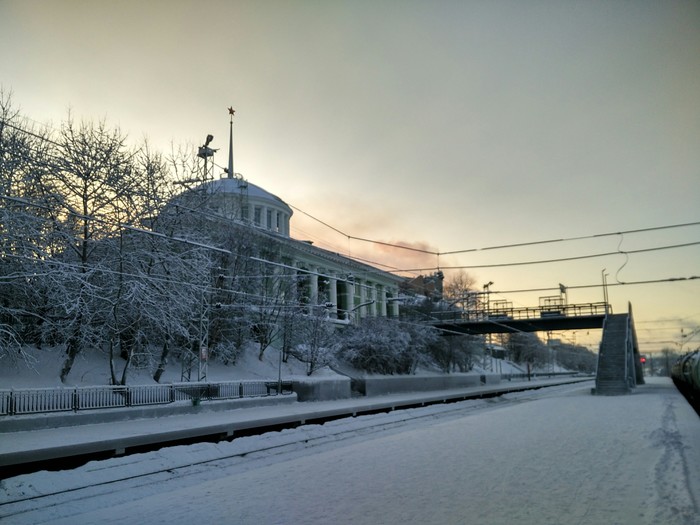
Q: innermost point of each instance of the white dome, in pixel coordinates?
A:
(239, 199)
(238, 186)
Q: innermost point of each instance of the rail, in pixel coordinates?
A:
(524, 313)
(523, 376)
(74, 399)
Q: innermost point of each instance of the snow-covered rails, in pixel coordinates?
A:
(45, 400)
(686, 375)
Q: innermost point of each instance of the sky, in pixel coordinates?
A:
(446, 126)
(439, 464)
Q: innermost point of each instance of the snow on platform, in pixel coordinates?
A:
(550, 458)
(224, 418)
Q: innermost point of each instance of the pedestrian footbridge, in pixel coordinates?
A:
(500, 317)
(619, 366)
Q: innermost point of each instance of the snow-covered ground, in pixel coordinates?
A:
(552, 456)
(41, 369)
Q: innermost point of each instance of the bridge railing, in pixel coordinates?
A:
(522, 376)
(523, 313)
(47, 400)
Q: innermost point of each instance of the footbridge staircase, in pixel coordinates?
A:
(619, 366)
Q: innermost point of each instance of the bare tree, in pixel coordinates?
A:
(25, 232)
(318, 339)
(527, 348)
(459, 289)
(375, 345)
(93, 180)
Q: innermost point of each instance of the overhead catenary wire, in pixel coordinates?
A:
(468, 250)
(496, 247)
(49, 157)
(601, 285)
(426, 251)
(199, 286)
(215, 248)
(556, 260)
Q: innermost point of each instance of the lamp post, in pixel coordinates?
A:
(487, 291)
(205, 152)
(605, 291)
(360, 306)
(564, 297)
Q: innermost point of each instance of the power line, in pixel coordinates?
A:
(547, 261)
(600, 285)
(583, 237)
(497, 247)
(469, 250)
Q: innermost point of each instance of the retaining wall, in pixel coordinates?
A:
(322, 389)
(65, 419)
(381, 385)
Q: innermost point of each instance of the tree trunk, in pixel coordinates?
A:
(163, 360)
(126, 366)
(72, 349)
(112, 371)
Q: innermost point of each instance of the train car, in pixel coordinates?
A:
(685, 373)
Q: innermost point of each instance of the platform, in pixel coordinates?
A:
(24, 440)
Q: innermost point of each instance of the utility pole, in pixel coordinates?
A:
(487, 291)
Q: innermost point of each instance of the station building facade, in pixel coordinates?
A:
(348, 289)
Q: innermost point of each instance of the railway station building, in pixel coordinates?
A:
(348, 289)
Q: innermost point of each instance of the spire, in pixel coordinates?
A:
(231, 111)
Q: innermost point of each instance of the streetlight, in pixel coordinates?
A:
(605, 290)
(487, 291)
(360, 306)
(205, 152)
(562, 291)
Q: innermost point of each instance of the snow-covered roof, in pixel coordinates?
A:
(240, 186)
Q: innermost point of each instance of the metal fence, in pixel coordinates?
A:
(73, 399)
(540, 375)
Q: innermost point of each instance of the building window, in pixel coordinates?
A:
(244, 213)
(257, 218)
(269, 219)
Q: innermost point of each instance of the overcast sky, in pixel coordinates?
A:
(444, 125)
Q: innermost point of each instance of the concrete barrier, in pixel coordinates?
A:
(381, 385)
(492, 379)
(322, 389)
(89, 417)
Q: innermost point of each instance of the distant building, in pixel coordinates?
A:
(429, 286)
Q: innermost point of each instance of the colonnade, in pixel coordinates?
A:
(271, 218)
(346, 296)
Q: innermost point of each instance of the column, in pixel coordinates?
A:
(333, 294)
(381, 294)
(375, 296)
(350, 289)
(394, 304)
(362, 311)
(313, 286)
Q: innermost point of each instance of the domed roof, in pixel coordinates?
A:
(238, 186)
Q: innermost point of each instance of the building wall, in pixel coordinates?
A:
(352, 290)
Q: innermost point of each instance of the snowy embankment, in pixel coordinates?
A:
(41, 369)
(553, 456)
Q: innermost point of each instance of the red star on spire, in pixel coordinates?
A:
(231, 111)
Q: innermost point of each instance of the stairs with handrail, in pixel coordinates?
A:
(612, 375)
